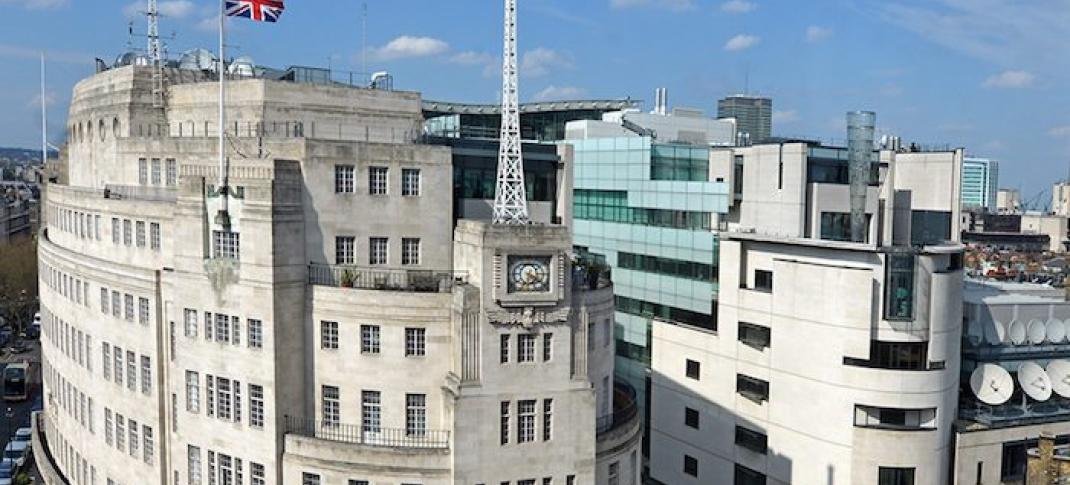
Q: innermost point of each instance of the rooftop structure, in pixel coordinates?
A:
(753, 115)
(980, 183)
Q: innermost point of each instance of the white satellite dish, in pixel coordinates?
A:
(1036, 332)
(995, 333)
(1034, 381)
(1059, 373)
(1056, 331)
(992, 384)
(975, 333)
(1016, 332)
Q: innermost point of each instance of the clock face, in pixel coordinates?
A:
(529, 274)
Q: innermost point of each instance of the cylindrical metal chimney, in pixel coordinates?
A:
(860, 128)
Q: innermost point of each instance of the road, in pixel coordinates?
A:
(14, 415)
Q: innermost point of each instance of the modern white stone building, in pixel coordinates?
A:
(832, 362)
(342, 330)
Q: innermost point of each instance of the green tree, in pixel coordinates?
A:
(18, 281)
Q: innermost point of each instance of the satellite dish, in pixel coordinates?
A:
(975, 333)
(1056, 331)
(1016, 332)
(1059, 373)
(995, 333)
(1034, 381)
(1036, 332)
(992, 384)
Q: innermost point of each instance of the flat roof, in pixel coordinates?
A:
(444, 107)
(944, 248)
(991, 292)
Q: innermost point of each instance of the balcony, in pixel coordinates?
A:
(416, 281)
(625, 409)
(356, 435)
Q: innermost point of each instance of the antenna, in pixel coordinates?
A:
(991, 384)
(364, 40)
(44, 116)
(154, 52)
(510, 201)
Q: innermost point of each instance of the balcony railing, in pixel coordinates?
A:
(625, 408)
(357, 435)
(418, 281)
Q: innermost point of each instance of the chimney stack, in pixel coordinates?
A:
(661, 101)
(860, 128)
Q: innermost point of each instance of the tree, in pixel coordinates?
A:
(18, 281)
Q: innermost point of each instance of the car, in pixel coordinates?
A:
(23, 434)
(38, 404)
(7, 471)
(17, 452)
(19, 347)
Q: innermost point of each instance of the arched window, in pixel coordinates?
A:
(102, 129)
(115, 127)
(89, 131)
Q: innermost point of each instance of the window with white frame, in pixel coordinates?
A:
(154, 236)
(116, 229)
(547, 419)
(345, 249)
(256, 474)
(370, 411)
(310, 479)
(131, 370)
(116, 304)
(191, 322)
(146, 374)
(410, 251)
(156, 171)
(172, 172)
(109, 432)
(416, 415)
(525, 426)
(415, 342)
(256, 406)
(193, 392)
(222, 328)
(377, 250)
(256, 333)
(343, 179)
(148, 445)
(547, 346)
(235, 330)
(104, 301)
(118, 365)
(128, 307)
(134, 441)
(330, 405)
(120, 432)
(128, 232)
(209, 395)
(504, 423)
(143, 310)
(369, 339)
(193, 459)
(525, 343)
(226, 244)
(410, 182)
(143, 171)
(105, 354)
(223, 398)
(378, 180)
(328, 335)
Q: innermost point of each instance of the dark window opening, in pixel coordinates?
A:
(693, 370)
(647, 309)
(895, 476)
(752, 388)
(691, 465)
(755, 336)
(899, 287)
(746, 476)
(752, 440)
(691, 418)
(763, 280)
(1014, 461)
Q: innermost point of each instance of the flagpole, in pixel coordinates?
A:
(224, 216)
(44, 116)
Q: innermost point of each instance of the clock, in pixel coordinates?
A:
(529, 274)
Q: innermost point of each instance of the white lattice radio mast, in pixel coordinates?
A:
(155, 53)
(510, 198)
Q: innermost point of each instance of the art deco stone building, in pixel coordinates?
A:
(342, 330)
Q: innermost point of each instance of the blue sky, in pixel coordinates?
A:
(984, 74)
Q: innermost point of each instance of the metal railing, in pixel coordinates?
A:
(414, 280)
(625, 409)
(353, 434)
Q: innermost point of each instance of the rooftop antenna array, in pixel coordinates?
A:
(510, 199)
(155, 53)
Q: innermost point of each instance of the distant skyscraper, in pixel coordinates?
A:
(1060, 199)
(753, 114)
(980, 182)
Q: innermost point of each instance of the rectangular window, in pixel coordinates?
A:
(752, 388)
(343, 179)
(256, 333)
(410, 251)
(116, 304)
(690, 466)
(504, 423)
(226, 245)
(156, 171)
(154, 236)
(525, 344)
(131, 370)
(547, 347)
(193, 392)
(105, 354)
(120, 432)
(746, 476)
(134, 441)
(310, 479)
(751, 440)
(410, 182)
(257, 475)
(1014, 460)
(115, 230)
(547, 419)
(525, 426)
(691, 418)
(104, 301)
(415, 342)
(128, 232)
(172, 172)
(128, 307)
(328, 335)
(416, 415)
(256, 406)
(378, 180)
(109, 432)
(330, 405)
(763, 280)
(370, 411)
(235, 330)
(895, 476)
(895, 418)
(146, 374)
(209, 395)
(223, 398)
(118, 365)
(344, 247)
(369, 339)
(755, 336)
(899, 288)
(614, 473)
(193, 458)
(143, 171)
(378, 250)
(504, 349)
(693, 370)
(222, 328)
(190, 322)
(143, 311)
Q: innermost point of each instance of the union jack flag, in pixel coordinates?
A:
(258, 10)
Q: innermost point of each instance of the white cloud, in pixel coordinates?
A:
(554, 93)
(471, 58)
(741, 42)
(37, 4)
(51, 56)
(674, 5)
(172, 9)
(408, 46)
(1010, 79)
(541, 61)
(816, 33)
(787, 116)
(1060, 131)
(35, 101)
(738, 6)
